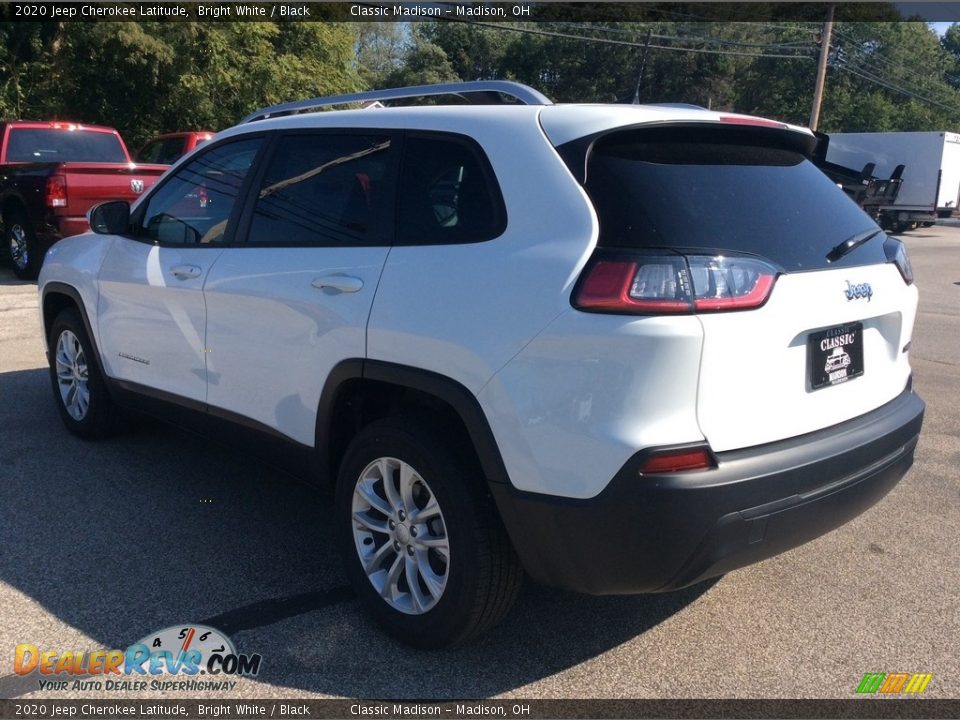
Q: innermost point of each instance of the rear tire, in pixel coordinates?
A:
(21, 247)
(427, 555)
(79, 389)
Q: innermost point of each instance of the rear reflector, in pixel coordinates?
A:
(896, 253)
(56, 191)
(683, 460)
(654, 284)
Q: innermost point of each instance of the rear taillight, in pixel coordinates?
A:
(654, 284)
(56, 191)
(677, 460)
(896, 253)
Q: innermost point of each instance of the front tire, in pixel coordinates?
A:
(21, 246)
(79, 389)
(425, 550)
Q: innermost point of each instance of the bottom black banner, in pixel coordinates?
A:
(408, 709)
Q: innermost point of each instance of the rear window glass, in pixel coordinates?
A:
(51, 145)
(162, 152)
(707, 190)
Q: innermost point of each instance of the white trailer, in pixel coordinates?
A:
(931, 175)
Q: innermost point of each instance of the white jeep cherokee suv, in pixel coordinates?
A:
(599, 343)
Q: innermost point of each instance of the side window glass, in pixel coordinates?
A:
(323, 189)
(194, 206)
(445, 196)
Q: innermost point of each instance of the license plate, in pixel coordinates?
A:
(836, 355)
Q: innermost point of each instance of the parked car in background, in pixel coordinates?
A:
(51, 174)
(166, 149)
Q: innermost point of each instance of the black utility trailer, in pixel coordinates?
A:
(871, 193)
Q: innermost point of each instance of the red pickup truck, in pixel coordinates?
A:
(51, 174)
(167, 149)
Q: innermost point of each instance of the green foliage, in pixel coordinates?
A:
(883, 76)
(380, 50)
(424, 64)
(150, 77)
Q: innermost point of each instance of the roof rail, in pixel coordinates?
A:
(480, 92)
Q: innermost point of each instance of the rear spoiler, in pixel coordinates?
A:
(576, 153)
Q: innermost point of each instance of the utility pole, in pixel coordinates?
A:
(643, 64)
(822, 68)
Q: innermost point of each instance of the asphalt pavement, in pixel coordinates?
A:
(104, 543)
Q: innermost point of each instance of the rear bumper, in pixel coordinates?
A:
(664, 532)
(61, 226)
(57, 227)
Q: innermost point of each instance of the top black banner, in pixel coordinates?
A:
(549, 11)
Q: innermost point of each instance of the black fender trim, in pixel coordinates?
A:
(451, 392)
(59, 288)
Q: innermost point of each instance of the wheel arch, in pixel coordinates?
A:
(11, 203)
(57, 297)
(359, 391)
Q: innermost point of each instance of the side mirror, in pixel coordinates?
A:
(110, 218)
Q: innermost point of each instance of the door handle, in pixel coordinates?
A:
(338, 283)
(185, 272)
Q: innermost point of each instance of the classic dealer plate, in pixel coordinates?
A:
(836, 355)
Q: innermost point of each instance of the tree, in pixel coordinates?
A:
(149, 77)
(424, 63)
(380, 51)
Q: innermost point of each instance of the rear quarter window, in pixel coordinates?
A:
(447, 193)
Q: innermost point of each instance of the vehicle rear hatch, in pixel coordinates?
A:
(807, 307)
(91, 183)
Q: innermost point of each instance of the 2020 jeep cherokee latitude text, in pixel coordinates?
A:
(598, 343)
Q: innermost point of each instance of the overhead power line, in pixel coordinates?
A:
(684, 38)
(847, 37)
(865, 75)
(857, 62)
(629, 43)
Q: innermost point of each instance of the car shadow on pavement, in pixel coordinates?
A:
(159, 527)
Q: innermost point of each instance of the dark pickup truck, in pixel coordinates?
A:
(51, 174)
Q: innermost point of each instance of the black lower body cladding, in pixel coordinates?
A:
(655, 533)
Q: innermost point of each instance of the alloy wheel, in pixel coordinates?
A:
(19, 250)
(72, 378)
(400, 536)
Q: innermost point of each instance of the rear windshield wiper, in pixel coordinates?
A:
(851, 243)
